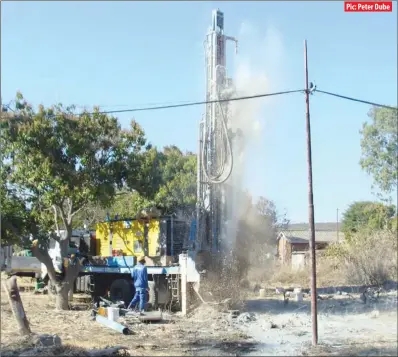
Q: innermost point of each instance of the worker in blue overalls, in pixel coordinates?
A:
(140, 278)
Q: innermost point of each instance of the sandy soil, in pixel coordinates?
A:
(346, 326)
(268, 327)
(204, 331)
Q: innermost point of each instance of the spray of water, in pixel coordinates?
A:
(259, 57)
(248, 120)
(256, 67)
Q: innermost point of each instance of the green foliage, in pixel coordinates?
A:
(170, 185)
(177, 190)
(394, 224)
(367, 215)
(379, 145)
(336, 250)
(14, 217)
(60, 163)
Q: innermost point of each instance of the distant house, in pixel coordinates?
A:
(293, 245)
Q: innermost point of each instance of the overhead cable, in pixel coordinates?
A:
(190, 104)
(355, 99)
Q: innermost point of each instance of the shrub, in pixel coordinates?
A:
(368, 258)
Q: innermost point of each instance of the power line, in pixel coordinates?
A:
(187, 104)
(190, 104)
(355, 99)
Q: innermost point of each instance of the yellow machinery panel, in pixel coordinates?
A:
(160, 237)
(128, 237)
(102, 239)
(153, 237)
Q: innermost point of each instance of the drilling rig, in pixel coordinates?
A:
(215, 151)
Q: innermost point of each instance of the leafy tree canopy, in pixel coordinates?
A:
(16, 221)
(170, 177)
(379, 145)
(367, 215)
(58, 163)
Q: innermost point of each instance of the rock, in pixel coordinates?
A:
(374, 314)
(46, 340)
(233, 314)
(246, 317)
(272, 325)
(256, 288)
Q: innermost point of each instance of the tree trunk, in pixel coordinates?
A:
(61, 298)
(16, 305)
(71, 267)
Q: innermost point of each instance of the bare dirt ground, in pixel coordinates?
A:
(204, 331)
(347, 326)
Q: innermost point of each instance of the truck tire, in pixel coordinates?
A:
(121, 289)
(153, 295)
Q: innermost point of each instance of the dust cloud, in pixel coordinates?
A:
(259, 59)
(249, 119)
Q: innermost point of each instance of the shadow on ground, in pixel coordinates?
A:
(353, 350)
(341, 306)
(353, 289)
(55, 351)
(219, 348)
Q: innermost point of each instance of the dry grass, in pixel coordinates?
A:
(370, 257)
(328, 274)
(78, 332)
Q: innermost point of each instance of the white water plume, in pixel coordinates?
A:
(259, 57)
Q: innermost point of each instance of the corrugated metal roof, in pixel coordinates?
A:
(302, 236)
(319, 226)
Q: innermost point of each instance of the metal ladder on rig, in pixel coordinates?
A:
(175, 288)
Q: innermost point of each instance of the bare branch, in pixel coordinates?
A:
(70, 209)
(56, 237)
(63, 215)
(78, 210)
(56, 219)
(43, 256)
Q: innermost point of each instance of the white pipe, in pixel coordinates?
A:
(184, 300)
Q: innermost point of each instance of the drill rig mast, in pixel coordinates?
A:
(215, 157)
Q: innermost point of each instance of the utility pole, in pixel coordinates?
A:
(314, 295)
(337, 224)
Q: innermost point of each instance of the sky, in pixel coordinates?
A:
(121, 55)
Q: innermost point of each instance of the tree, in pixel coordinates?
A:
(170, 176)
(15, 218)
(170, 186)
(367, 215)
(177, 189)
(379, 145)
(60, 163)
(267, 209)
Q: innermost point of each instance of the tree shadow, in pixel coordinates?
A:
(214, 347)
(354, 289)
(341, 306)
(352, 349)
(63, 350)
